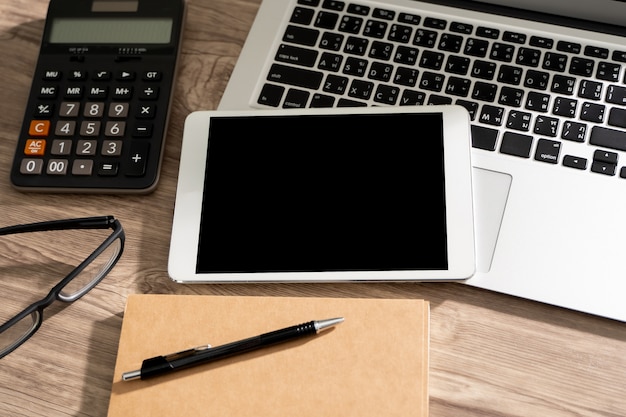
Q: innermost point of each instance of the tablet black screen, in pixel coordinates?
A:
(324, 193)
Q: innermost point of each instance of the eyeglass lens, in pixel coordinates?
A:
(14, 335)
(89, 276)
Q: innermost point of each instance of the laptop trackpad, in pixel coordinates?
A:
(491, 190)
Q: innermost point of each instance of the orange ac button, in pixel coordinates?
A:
(39, 128)
(35, 147)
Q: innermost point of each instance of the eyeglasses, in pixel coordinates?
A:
(76, 284)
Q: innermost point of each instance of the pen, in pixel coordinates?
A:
(160, 365)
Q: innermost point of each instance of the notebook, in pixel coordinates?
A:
(374, 363)
(545, 85)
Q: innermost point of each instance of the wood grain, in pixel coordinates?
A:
(491, 354)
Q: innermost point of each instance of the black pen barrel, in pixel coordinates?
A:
(243, 346)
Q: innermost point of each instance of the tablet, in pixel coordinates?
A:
(324, 195)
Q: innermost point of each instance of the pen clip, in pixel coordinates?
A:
(185, 353)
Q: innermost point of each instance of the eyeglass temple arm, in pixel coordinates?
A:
(99, 222)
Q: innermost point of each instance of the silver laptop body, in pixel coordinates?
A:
(545, 85)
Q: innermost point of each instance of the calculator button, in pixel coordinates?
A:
(98, 93)
(61, 147)
(86, 147)
(125, 76)
(69, 109)
(39, 128)
(112, 148)
(57, 167)
(108, 169)
(149, 93)
(44, 110)
(77, 75)
(123, 93)
(152, 76)
(142, 130)
(102, 75)
(115, 129)
(118, 110)
(137, 160)
(31, 166)
(74, 92)
(65, 128)
(82, 167)
(35, 147)
(52, 75)
(146, 111)
(48, 92)
(93, 109)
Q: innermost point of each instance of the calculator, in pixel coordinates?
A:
(98, 109)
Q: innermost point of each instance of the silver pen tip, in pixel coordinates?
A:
(127, 376)
(325, 324)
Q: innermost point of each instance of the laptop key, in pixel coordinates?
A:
(516, 144)
(492, 115)
(484, 70)
(596, 52)
(608, 71)
(574, 131)
(555, 62)
(541, 42)
(485, 32)
(590, 89)
(326, 20)
(484, 91)
(617, 117)
(476, 47)
(603, 168)
(322, 100)
(548, 151)
(514, 37)
(271, 95)
(592, 112)
(502, 52)
(302, 15)
(608, 138)
(300, 35)
(296, 55)
(426, 38)
(581, 66)
(571, 47)
(616, 95)
(605, 156)
(571, 161)
(529, 57)
(484, 138)
(295, 76)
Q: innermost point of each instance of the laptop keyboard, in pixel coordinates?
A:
(527, 95)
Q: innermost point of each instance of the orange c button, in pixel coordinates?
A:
(39, 128)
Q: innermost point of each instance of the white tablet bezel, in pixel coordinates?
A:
(458, 189)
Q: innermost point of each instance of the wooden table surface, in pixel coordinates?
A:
(491, 354)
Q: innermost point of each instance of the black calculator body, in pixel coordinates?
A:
(98, 108)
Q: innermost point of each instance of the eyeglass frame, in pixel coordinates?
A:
(97, 222)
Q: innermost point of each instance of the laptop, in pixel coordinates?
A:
(544, 83)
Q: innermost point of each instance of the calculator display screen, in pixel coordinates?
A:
(111, 31)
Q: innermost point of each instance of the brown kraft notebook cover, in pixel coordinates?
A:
(375, 363)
